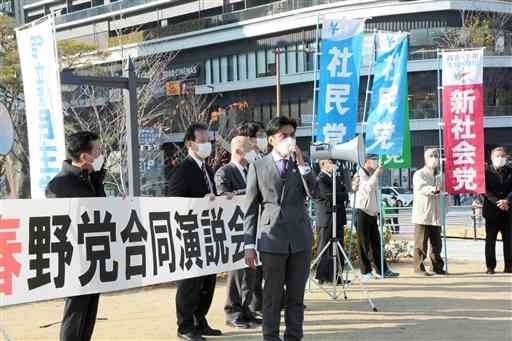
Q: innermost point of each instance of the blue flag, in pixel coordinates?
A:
(340, 60)
(385, 124)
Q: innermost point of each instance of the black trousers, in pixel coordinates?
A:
(422, 235)
(257, 298)
(491, 234)
(193, 300)
(325, 265)
(280, 270)
(240, 291)
(369, 242)
(79, 317)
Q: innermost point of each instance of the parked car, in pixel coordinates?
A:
(403, 195)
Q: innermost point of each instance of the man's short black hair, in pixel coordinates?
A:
(250, 129)
(277, 123)
(190, 134)
(79, 143)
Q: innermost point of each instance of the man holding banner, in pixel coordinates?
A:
(386, 121)
(82, 176)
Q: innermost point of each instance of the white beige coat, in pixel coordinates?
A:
(426, 205)
(367, 197)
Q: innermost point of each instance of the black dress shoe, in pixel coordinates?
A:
(490, 271)
(255, 320)
(237, 323)
(258, 314)
(208, 331)
(191, 336)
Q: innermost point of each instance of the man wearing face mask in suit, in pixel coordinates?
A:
(81, 176)
(279, 184)
(193, 178)
(497, 209)
(231, 179)
(259, 148)
(367, 210)
(426, 215)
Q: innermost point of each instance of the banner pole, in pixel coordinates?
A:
(365, 106)
(441, 157)
(313, 121)
(315, 76)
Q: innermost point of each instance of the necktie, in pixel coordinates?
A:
(282, 165)
(246, 172)
(206, 178)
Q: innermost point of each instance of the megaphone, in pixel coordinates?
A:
(352, 150)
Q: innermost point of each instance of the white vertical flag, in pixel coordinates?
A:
(43, 102)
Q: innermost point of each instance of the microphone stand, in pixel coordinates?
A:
(337, 253)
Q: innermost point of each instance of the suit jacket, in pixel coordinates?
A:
(188, 181)
(229, 179)
(284, 221)
(324, 207)
(498, 186)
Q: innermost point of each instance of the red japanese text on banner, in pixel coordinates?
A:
(463, 122)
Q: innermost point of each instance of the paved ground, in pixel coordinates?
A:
(467, 305)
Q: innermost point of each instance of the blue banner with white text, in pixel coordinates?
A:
(340, 61)
(385, 124)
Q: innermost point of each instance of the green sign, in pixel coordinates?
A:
(404, 160)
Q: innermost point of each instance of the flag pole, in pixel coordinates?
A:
(315, 76)
(313, 121)
(442, 194)
(365, 106)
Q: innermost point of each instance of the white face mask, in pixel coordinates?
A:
(499, 162)
(262, 144)
(204, 150)
(284, 146)
(432, 162)
(251, 156)
(97, 164)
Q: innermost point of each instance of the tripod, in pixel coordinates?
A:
(337, 252)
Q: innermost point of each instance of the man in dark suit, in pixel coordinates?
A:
(194, 179)
(81, 177)
(324, 210)
(496, 209)
(278, 185)
(231, 179)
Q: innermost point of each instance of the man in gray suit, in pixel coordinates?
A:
(278, 185)
(231, 179)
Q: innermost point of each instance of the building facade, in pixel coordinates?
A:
(231, 48)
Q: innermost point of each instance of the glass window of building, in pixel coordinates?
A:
(310, 56)
(215, 70)
(294, 108)
(232, 69)
(301, 58)
(282, 61)
(242, 66)
(251, 65)
(261, 64)
(285, 109)
(291, 59)
(208, 71)
(224, 69)
(271, 62)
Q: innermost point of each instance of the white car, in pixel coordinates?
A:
(403, 195)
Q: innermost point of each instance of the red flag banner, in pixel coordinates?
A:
(463, 121)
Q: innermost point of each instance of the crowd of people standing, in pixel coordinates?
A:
(269, 168)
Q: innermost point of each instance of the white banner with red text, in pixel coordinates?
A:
(65, 247)
(463, 121)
